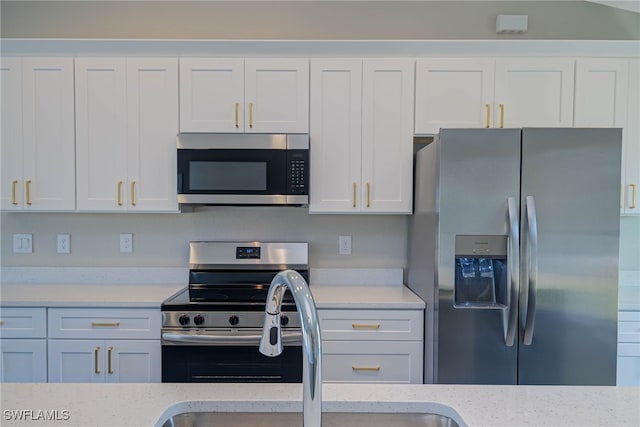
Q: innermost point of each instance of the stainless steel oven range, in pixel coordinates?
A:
(211, 329)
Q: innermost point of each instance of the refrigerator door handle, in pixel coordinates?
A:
(510, 314)
(532, 270)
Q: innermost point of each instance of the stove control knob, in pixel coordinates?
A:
(183, 319)
(198, 320)
(233, 320)
(284, 320)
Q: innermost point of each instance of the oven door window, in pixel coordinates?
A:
(232, 171)
(228, 364)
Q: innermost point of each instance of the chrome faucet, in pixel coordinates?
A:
(271, 342)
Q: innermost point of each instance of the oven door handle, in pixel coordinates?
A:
(287, 337)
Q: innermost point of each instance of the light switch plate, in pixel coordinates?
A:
(23, 243)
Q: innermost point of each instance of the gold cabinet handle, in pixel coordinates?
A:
(133, 193)
(368, 194)
(14, 201)
(119, 193)
(251, 114)
(634, 189)
(95, 360)
(355, 187)
(488, 109)
(28, 188)
(109, 370)
(365, 326)
(501, 116)
(105, 325)
(366, 368)
(237, 115)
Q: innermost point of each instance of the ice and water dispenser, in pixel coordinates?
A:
(481, 271)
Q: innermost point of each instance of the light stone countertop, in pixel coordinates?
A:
(365, 297)
(472, 405)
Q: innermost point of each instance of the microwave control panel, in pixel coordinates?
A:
(297, 171)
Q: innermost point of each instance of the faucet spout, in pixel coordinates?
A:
(271, 342)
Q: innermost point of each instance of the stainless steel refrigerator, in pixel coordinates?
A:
(513, 245)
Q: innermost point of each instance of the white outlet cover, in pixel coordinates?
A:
(63, 244)
(23, 243)
(344, 245)
(126, 243)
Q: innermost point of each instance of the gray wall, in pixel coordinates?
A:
(162, 239)
(303, 20)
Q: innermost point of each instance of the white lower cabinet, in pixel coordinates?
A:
(104, 345)
(23, 344)
(91, 361)
(628, 348)
(23, 360)
(382, 346)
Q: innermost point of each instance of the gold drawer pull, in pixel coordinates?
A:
(105, 325)
(109, 368)
(364, 326)
(95, 360)
(366, 368)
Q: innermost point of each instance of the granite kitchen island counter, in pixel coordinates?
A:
(477, 405)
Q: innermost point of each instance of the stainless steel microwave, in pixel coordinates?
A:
(243, 169)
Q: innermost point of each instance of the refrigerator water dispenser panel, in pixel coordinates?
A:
(480, 272)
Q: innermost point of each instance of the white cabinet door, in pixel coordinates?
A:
(11, 193)
(76, 361)
(601, 90)
(211, 95)
(536, 92)
(48, 133)
(276, 95)
(23, 360)
(38, 145)
(631, 154)
(335, 135)
(453, 93)
(101, 127)
(133, 361)
(387, 135)
(152, 112)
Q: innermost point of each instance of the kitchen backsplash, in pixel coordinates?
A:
(162, 239)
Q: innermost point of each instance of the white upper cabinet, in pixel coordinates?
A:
(38, 134)
(127, 122)
(252, 95)
(497, 93)
(601, 91)
(535, 92)
(631, 154)
(387, 135)
(361, 135)
(453, 93)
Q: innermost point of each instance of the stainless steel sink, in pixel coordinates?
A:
(294, 419)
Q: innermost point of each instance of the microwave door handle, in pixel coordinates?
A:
(532, 270)
(510, 313)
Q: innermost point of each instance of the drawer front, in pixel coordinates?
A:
(371, 325)
(628, 364)
(126, 323)
(18, 322)
(629, 326)
(372, 362)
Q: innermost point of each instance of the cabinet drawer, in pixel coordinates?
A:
(18, 322)
(372, 361)
(379, 325)
(629, 326)
(126, 323)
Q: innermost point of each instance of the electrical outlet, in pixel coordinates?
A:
(126, 243)
(344, 245)
(64, 243)
(23, 243)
